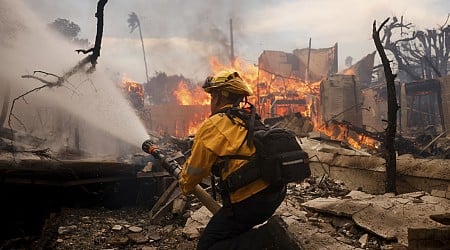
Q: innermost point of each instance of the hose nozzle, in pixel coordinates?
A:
(147, 146)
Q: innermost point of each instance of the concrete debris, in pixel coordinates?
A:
(66, 229)
(138, 238)
(179, 205)
(335, 206)
(363, 240)
(135, 229)
(196, 223)
(398, 213)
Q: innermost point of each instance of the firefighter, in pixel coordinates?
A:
(220, 136)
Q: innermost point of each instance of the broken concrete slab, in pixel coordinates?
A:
(196, 223)
(310, 237)
(395, 221)
(335, 206)
(269, 235)
(397, 213)
(358, 195)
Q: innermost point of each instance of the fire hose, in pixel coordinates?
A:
(174, 169)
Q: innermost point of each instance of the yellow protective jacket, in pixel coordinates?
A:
(216, 137)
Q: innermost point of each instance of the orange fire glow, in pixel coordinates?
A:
(342, 133)
(134, 91)
(274, 95)
(187, 96)
(195, 123)
(131, 86)
(349, 71)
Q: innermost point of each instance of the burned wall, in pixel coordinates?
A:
(340, 99)
(375, 109)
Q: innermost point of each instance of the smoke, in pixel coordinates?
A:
(89, 103)
(180, 37)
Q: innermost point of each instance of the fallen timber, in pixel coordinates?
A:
(30, 169)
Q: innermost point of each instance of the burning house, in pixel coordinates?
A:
(283, 83)
(134, 93)
(278, 83)
(289, 82)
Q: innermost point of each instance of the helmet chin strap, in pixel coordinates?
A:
(218, 100)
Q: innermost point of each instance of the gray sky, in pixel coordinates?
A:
(180, 35)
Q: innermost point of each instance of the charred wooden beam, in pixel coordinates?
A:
(11, 134)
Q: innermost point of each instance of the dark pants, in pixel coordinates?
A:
(224, 228)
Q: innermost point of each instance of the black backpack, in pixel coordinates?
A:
(279, 159)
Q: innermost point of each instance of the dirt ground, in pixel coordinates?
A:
(131, 228)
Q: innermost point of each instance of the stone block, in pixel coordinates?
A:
(318, 135)
(438, 193)
(429, 238)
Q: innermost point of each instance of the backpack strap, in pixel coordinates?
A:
(249, 120)
(251, 126)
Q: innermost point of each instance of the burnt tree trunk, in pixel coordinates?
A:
(391, 129)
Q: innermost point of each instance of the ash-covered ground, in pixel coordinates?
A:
(131, 227)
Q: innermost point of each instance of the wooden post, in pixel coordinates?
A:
(231, 44)
(307, 62)
(403, 109)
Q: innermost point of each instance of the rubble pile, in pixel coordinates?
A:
(132, 228)
(336, 232)
(317, 213)
(101, 228)
(314, 187)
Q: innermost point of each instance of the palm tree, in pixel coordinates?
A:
(133, 23)
(5, 107)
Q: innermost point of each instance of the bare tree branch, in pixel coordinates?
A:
(92, 59)
(427, 50)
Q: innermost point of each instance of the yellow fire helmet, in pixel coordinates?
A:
(227, 80)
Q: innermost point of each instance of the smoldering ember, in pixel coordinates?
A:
(73, 174)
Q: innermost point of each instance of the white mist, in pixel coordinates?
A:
(92, 103)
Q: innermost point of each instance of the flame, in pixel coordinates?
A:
(190, 96)
(349, 71)
(341, 133)
(268, 88)
(296, 96)
(194, 124)
(134, 90)
(132, 86)
(274, 95)
(186, 96)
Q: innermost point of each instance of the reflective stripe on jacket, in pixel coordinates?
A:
(216, 137)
